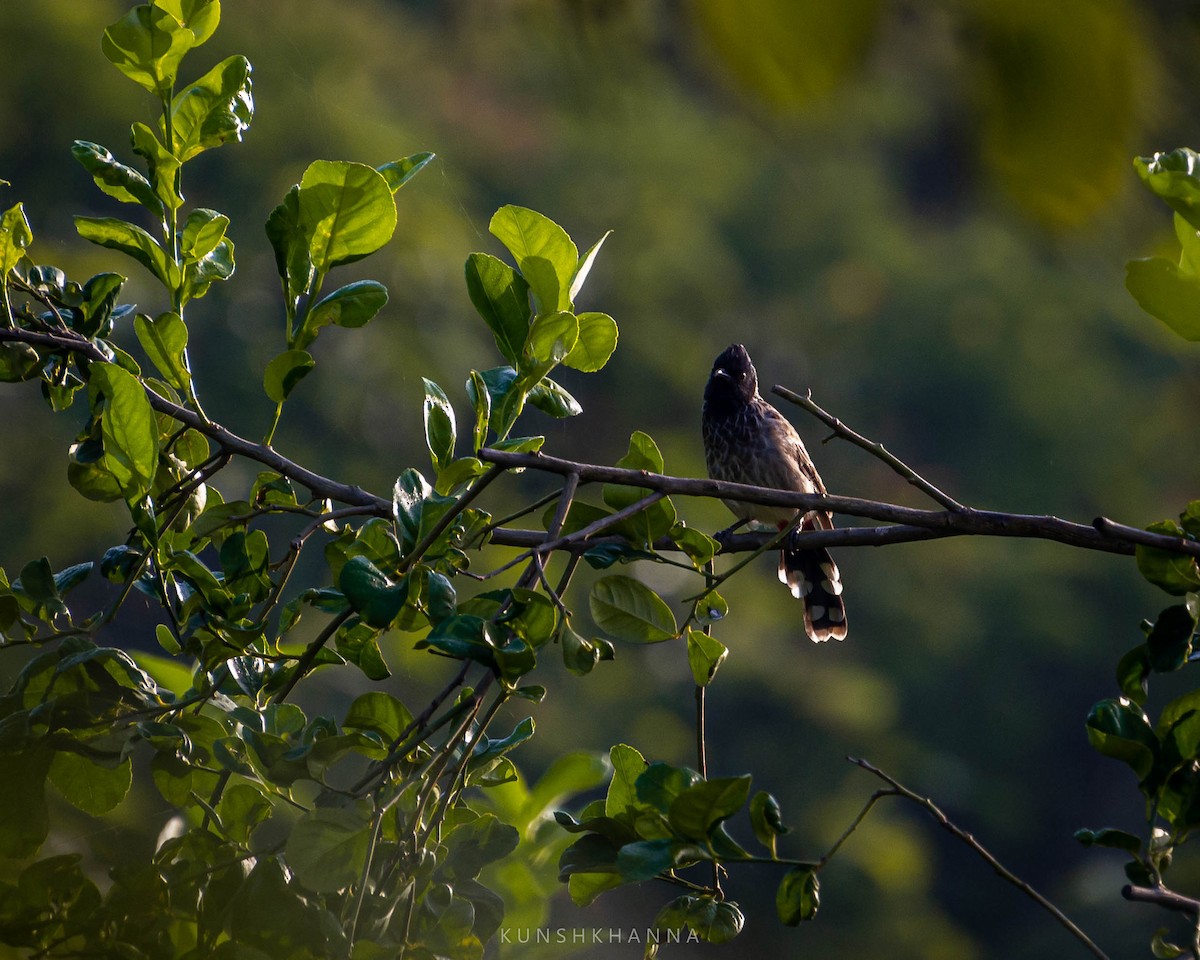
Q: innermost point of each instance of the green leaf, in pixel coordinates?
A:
(766, 820)
(379, 712)
(1133, 670)
(1170, 640)
(660, 784)
(715, 921)
(629, 610)
(580, 655)
(289, 239)
(440, 428)
(15, 238)
(481, 403)
(798, 896)
(346, 212)
(399, 172)
(130, 431)
(584, 888)
(358, 643)
(147, 45)
(1119, 729)
(646, 859)
(1173, 572)
(475, 844)
(165, 339)
(213, 110)
(202, 233)
(551, 337)
(327, 848)
(627, 765)
(372, 595)
(24, 819)
(1165, 291)
(132, 241)
(285, 371)
(584, 266)
(163, 166)
(1110, 837)
(501, 296)
(1175, 178)
(552, 399)
(91, 787)
(115, 178)
(353, 305)
(705, 655)
(544, 254)
(701, 807)
(596, 343)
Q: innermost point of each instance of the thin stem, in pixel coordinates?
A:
(305, 660)
(875, 449)
(898, 789)
(465, 498)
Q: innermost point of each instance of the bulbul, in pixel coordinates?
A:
(746, 440)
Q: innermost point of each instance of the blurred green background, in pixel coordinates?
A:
(920, 211)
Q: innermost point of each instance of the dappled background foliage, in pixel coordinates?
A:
(921, 212)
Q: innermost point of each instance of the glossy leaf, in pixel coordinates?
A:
(584, 266)
(766, 819)
(596, 343)
(1175, 178)
(501, 297)
(398, 172)
(130, 431)
(1170, 640)
(373, 596)
(116, 179)
(132, 241)
(1173, 572)
(161, 163)
(440, 429)
(346, 212)
(553, 400)
(15, 238)
(475, 844)
(551, 337)
(701, 807)
(544, 254)
(705, 655)
(798, 896)
(715, 921)
(629, 610)
(285, 371)
(147, 45)
(353, 305)
(1110, 837)
(165, 339)
(212, 110)
(481, 403)
(646, 859)
(1119, 729)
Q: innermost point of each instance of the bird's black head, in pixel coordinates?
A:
(733, 378)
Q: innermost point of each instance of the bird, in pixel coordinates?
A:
(746, 440)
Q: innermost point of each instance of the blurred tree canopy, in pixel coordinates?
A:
(920, 211)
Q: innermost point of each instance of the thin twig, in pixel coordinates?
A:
(898, 789)
(872, 447)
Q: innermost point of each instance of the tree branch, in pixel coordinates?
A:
(1109, 537)
(872, 447)
(904, 524)
(898, 789)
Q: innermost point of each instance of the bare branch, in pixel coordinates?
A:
(872, 447)
(940, 523)
(897, 788)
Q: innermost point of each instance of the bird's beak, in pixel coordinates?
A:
(721, 372)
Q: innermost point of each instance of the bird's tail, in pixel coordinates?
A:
(813, 577)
